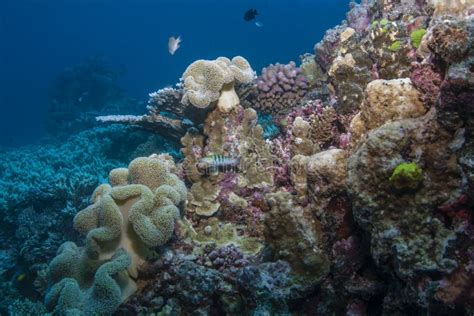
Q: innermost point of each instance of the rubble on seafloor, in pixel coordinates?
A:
(362, 203)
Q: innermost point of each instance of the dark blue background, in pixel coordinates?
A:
(39, 38)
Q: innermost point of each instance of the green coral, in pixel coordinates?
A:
(406, 176)
(73, 295)
(416, 36)
(396, 46)
(124, 221)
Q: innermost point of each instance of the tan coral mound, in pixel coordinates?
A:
(387, 100)
(207, 81)
(135, 215)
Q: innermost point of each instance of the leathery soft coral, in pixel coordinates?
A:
(124, 221)
(207, 81)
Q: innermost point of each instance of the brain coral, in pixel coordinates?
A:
(124, 221)
(207, 81)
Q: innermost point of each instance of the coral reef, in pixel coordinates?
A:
(42, 187)
(340, 186)
(167, 116)
(386, 100)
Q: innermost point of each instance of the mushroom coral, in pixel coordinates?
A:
(123, 222)
(207, 81)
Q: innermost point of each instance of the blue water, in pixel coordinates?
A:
(40, 38)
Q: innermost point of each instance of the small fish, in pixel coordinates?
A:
(250, 14)
(173, 44)
(259, 24)
(217, 163)
(21, 277)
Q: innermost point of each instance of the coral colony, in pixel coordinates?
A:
(342, 186)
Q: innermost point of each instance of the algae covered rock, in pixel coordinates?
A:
(294, 236)
(401, 223)
(387, 100)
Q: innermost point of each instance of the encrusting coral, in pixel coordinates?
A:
(386, 100)
(124, 222)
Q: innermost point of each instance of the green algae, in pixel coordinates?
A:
(416, 36)
(406, 176)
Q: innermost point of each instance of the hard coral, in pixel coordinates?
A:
(207, 81)
(290, 234)
(404, 221)
(280, 87)
(387, 100)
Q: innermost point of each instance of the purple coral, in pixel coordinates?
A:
(228, 259)
(358, 17)
(427, 80)
(280, 87)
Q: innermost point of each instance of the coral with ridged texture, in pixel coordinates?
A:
(123, 223)
(81, 291)
(207, 81)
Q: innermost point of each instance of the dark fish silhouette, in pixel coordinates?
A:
(250, 14)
